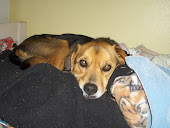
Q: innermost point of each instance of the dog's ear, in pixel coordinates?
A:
(120, 54)
(69, 61)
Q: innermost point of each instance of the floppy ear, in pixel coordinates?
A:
(69, 61)
(121, 54)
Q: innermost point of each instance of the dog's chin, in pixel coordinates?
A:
(90, 97)
(95, 96)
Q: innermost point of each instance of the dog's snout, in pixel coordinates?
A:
(90, 89)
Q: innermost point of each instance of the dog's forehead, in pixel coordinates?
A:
(96, 48)
(97, 43)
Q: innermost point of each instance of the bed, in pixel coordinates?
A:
(43, 96)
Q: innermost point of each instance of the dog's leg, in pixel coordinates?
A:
(32, 61)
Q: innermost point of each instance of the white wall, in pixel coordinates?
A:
(4, 11)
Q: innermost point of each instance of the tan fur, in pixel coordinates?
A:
(48, 50)
(96, 54)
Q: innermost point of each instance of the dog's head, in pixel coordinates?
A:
(93, 63)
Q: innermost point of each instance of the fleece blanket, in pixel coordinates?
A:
(42, 96)
(129, 94)
(156, 83)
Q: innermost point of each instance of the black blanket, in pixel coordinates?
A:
(42, 96)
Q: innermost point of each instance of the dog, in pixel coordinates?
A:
(91, 61)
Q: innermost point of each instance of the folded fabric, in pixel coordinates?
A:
(45, 97)
(145, 50)
(162, 59)
(3, 124)
(127, 90)
(156, 83)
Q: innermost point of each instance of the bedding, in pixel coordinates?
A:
(141, 50)
(41, 96)
(142, 75)
(156, 83)
(163, 60)
(33, 97)
(3, 124)
(131, 98)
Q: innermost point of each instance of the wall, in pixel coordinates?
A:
(132, 22)
(4, 11)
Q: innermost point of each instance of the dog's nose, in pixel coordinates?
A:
(90, 89)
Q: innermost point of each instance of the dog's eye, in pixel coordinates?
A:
(107, 68)
(83, 63)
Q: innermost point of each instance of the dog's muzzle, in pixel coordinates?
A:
(90, 89)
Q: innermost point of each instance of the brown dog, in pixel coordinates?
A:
(92, 63)
(43, 50)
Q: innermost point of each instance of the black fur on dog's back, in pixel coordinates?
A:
(71, 38)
